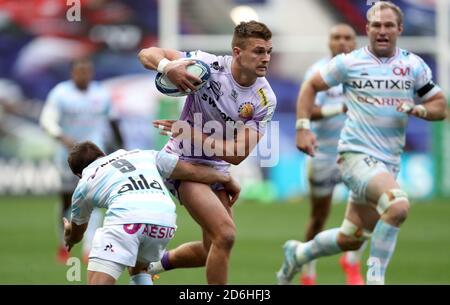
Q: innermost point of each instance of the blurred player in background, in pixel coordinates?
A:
(381, 83)
(328, 115)
(140, 218)
(236, 93)
(77, 110)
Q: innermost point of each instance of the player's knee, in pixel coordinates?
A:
(225, 238)
(351, 236)
(395, 205)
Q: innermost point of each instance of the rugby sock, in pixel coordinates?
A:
(141, 279)
(353, 257)
(161, 266)
(165, 262)
(384, 239)
(309, 269)
(323, 244)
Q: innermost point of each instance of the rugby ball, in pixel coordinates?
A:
(199, 69)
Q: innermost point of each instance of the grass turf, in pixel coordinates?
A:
(28, 240)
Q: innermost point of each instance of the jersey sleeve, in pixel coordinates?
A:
(198, 54)
(424, 86)
(264, 111)
(50, 115)
(335, 72)
(81, 207)
(166, 163)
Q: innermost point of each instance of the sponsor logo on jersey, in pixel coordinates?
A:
(140, 184)
(213, 104)
(263, 97)
(382, 101)
(401, 71)
(246, 111)
(215, 65)
(234, 95)
(215, 88)
(386, 84)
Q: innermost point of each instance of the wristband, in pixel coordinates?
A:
(302, 124)
(162, 65)
(421, 111)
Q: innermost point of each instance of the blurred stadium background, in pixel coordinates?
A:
(37, 44)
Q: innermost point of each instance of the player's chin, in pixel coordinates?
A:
(261, 72)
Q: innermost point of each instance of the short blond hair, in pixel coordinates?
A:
(250, 29)
(382, 5)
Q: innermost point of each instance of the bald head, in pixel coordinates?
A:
(342, 39)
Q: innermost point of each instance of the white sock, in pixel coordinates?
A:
(309, 269)
(141, 279)
(354, 257)
(384, 239)
(155, 268)
(323, 244)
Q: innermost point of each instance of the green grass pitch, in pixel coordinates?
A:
(28, 241)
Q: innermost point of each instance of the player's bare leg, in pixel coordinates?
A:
(99, 278)
(210, 213)
(191, 254)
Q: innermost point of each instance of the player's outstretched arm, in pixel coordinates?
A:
(305, 140)
(73, 233)
(205, 174)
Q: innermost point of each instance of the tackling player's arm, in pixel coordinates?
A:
(232, 151)
(166, 62)
(205, 174)
(73, 233)
(305, 139)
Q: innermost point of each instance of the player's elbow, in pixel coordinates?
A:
(144, 57)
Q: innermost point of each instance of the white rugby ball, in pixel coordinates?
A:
(199, 69)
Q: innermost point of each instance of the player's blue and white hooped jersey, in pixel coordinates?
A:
(327, 130)
(82, 115)
(129, 185)
(374, 87)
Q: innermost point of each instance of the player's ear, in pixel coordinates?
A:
(400, 29)
(236, 51)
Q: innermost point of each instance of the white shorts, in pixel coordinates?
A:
(128, 244)
(323, 175)
(357, 169)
